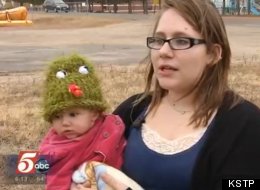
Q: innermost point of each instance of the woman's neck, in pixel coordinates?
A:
(182, 102)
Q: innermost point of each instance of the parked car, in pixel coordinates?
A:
(55, 5)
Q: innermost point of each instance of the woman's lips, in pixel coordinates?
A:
(166, 70)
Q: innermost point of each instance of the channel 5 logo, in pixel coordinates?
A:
(30, 162)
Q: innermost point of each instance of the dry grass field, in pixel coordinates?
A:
(21, 124)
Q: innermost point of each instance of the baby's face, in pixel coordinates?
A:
(74, 122)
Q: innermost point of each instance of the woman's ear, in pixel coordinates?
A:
(215, 54)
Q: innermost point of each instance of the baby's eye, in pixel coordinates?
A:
(56, 117)
(61, 74)
(83, 70)
(73, 114)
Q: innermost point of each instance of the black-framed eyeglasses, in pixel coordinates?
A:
(179, 43)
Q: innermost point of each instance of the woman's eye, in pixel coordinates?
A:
(182, 42)
(158, 41)
(83, 70)
(61, 74)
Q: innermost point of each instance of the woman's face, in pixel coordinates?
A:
(178, 70)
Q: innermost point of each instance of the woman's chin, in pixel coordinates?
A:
(166, 85)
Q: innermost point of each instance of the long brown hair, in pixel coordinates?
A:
(213, 84)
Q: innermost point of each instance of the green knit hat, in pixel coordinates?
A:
(71, 82)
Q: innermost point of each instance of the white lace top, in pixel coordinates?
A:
(161, 145)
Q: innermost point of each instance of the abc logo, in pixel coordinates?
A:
(30, 163)
(42, 166)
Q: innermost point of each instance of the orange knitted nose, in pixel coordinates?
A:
(75, 90)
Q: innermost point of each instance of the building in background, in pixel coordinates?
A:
(238, 7)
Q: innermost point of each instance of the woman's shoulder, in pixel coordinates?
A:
(241, 110)
(241, 104)
(129, 110)
(249, 110)
(249, 107)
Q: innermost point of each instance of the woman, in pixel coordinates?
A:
(188, 130)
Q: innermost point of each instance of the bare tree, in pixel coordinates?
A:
(102, 5)
(90, 5)
(238, 7)
(8, 4)
(1, 4)
(145, 6)
(224, 7)
(115, 6)
(130, 10)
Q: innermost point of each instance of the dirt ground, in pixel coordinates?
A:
(104, 38)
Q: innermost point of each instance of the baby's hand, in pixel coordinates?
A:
(81, 186)
(79, 176)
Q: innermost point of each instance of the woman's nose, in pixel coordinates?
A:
(166, 50)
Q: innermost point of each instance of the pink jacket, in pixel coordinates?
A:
(104, 143)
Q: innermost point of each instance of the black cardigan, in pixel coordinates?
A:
(231, 150)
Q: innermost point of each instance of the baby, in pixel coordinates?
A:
(74, 107)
